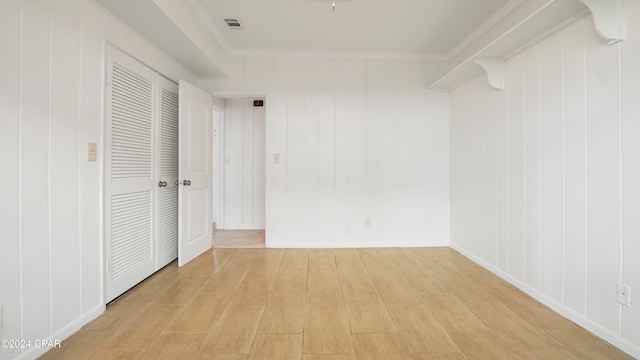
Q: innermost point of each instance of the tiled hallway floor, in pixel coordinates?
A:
(238, 238)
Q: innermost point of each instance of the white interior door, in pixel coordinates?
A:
(129, 174)
(167, 225)
(195, 173)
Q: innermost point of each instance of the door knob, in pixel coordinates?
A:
(162, 184)
(177, 182)
(187, 182)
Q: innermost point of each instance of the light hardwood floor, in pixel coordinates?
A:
(426, 303)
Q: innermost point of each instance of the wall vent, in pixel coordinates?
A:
(233, 23)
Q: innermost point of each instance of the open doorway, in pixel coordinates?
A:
(239, 172)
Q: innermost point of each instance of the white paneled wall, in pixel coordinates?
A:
(51, 106)
(244, 165)
(364, 150)
(630, 245)
(545, 188)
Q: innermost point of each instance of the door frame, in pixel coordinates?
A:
(267, 146)
(220, 157)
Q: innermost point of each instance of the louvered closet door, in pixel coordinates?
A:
(168, 173)
(129, 173)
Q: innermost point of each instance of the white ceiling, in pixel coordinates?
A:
(418, 26)
(193, 31)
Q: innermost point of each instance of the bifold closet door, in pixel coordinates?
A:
(129, 173)
(168, 173)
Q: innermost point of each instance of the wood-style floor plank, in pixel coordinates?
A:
(235, 330)
(420, 329)
(277, 346)
(143, 331)
(329, 357)
(368, 314)
(439, 356)
(199, 315)
(284, 314)
(169, 346)
(452, 314)
(380, 346)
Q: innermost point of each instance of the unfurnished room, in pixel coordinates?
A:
(319, 179)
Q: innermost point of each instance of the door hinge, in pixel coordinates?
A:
(106, 267)
(107, 78)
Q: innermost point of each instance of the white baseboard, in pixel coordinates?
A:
(593, 327)
(65, 332)
(349, 245)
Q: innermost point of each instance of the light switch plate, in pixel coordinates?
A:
(93, 151)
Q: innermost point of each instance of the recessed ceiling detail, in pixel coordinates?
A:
(403, 26)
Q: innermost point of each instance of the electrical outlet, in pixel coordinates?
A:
(624, 294)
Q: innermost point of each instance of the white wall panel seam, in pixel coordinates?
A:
(78, 134)
(101, 155)
(348, 147)
(318, 143)
(564, 167)
(539, 169)
(49, 159)
(480, 134)
(252, 145)
(20, 157)
(335, 138)
(497, 231)
(304, 135)
(242, 135)
(285, 88)
(286, 141)
(586, 170)
(508, 172)
(303, 120)
(524, 170)
(621, 174)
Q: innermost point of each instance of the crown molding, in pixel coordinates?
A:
(484, 27)
(340, 54)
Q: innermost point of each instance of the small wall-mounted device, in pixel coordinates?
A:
(258, 103)
(93, 152)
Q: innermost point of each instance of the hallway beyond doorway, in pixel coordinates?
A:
(238, 239)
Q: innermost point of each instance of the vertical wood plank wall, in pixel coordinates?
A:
(545, 183)
(51, 79)
(364, 149)
(244, 176)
